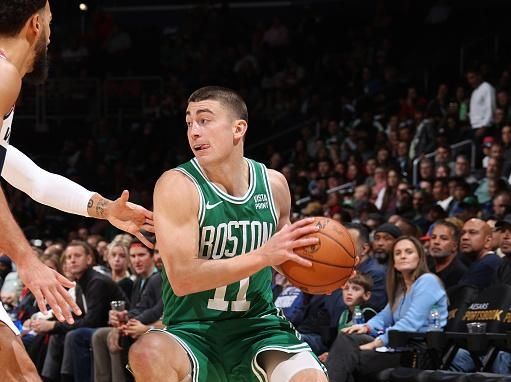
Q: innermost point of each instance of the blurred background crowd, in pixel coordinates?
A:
(388, 116)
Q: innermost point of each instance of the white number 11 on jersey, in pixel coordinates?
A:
(239, 305)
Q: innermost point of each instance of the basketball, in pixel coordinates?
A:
(333, 259)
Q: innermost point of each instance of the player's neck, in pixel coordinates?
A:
(232, 176)
(17, 52)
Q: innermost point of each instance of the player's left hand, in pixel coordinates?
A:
(130, 217)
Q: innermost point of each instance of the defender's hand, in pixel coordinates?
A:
(48, 287)
(130, 217)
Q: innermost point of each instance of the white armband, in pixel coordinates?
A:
(44, 187)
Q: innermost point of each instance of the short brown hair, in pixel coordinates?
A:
(225, 96)
(362, 279)
(86, 247)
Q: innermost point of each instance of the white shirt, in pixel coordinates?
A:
(482, 105)
(445, 203)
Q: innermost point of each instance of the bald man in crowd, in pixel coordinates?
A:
(476, 245)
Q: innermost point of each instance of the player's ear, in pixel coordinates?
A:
(240, 128)
(33, 27)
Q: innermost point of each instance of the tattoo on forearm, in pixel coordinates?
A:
(100, 208)
(90, 204)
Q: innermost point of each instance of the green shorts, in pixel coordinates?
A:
(226, 351)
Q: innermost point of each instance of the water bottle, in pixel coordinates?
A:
(434, 319)
(358, 317)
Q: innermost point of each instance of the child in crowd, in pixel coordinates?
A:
(356, 292)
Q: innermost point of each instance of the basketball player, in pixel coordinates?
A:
(215, 220)
(24, 37)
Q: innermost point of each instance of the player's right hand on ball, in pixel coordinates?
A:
(48, 287)
(280, 247)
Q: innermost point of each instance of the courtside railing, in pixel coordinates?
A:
(455, 148)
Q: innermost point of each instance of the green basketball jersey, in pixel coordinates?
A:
(228, 227)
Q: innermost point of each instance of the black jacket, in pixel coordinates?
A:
(149, 306)
(504, 271)
(96, 291)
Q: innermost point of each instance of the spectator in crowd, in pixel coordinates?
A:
(93, 296)
(493, 172)
(370, 168)
(443, 248)
(403, 158)
(438, 106)
(486, 148)
(312, 318)
(361, 195)
(406, 226)
(441, 194)
(442, 171)
(426, 169)
(462, 169)
(384, 237)
(504, 270)
(11, 291)
(443, 157)
(505, 140)
(475, 245)
(463, 360)
(110, 345)
(387, 197)
(356, 293)
(102, 249)
(404, 203)
(482, 102)
(379, 182)
(412, 292)
(501, 204)
(460, 192)
(369, 265)
(118, 261)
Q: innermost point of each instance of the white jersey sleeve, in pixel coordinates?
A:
(44, 187)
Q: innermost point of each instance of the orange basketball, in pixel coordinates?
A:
(333, 259)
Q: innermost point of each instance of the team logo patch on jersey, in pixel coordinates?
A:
(261, 201)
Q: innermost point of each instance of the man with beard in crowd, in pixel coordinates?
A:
(443, 248)
(384, 237)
